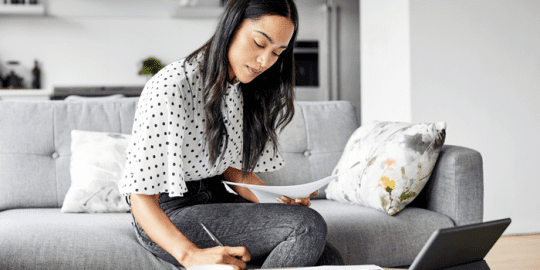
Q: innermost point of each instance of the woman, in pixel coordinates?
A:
(214, 116)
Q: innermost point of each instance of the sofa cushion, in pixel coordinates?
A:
(396, 160)
(71, 241)
(97, 165)
(364, 235)
(106, 240)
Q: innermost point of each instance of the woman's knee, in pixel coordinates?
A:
(307, 220)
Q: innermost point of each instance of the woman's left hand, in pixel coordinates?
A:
(299, 201)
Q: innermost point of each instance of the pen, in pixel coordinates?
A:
(211, 235)
(215, 238)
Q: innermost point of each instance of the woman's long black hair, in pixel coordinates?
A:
(268, 99)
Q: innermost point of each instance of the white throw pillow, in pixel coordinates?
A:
(396, 160)
(97, 164)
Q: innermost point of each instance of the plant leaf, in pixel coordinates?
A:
(384, 202)
(407, 195)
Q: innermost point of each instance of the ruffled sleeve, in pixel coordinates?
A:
(270, 160)
(154, 156)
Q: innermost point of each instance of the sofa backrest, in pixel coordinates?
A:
(35, 144)
(313, 142)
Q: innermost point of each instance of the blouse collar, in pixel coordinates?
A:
(235, 83)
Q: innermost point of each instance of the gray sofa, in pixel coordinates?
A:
(35, 177)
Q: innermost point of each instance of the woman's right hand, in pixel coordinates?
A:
(163, 232)
(233, 256)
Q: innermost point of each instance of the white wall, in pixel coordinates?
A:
(476, 65)
(385, 61)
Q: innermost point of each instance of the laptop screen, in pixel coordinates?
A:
(459, 245)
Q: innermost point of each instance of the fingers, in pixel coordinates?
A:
(239, 252)
(234, 262)
(299, 201)
(303, 201)
(285, 200)
(313, 194)
(233, 256)
(236, 257)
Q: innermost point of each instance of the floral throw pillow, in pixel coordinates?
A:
(97, 164)
(396, 160)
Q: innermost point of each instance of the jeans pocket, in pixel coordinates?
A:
(172, 205)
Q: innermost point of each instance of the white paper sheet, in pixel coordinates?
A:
(269, 194)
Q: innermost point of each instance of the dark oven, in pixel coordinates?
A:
(306, 61)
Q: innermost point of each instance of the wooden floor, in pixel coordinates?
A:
(515, 252)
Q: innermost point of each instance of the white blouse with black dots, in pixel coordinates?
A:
(167, 146)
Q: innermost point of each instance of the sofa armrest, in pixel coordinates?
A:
(456, 186)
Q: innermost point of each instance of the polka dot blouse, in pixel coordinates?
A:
(167, 146)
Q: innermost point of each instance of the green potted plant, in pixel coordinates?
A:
(150, 66)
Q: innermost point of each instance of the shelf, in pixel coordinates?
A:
(17, 92)
(197, 12)
(22, 9)
(25, 94)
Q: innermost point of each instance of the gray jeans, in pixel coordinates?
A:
(275, 235)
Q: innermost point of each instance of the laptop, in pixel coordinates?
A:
(460, 247)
